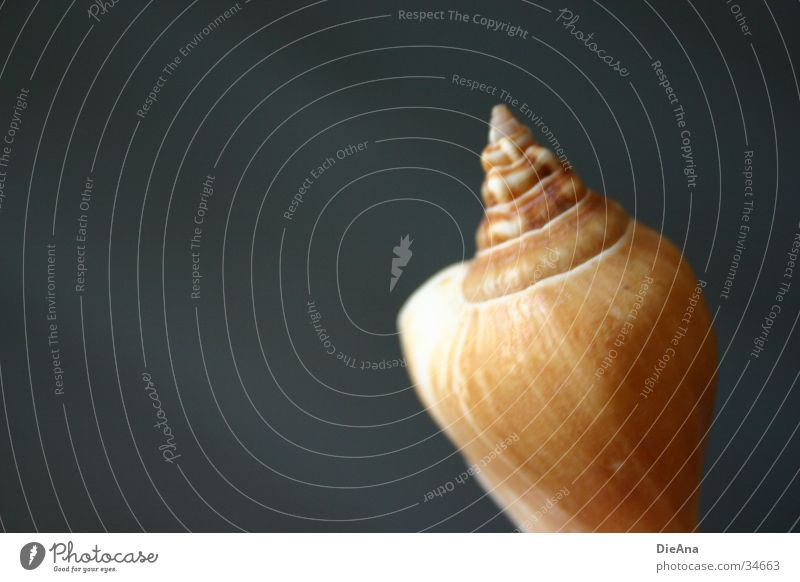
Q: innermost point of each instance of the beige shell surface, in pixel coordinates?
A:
(572, 361)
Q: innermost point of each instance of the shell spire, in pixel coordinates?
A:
(534, 201)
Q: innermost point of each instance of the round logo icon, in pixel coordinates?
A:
(31, 555)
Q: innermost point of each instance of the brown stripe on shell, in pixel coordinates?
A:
(538, 206)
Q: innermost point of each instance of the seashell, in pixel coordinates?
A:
(572, 361)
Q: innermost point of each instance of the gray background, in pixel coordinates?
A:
(285, 437)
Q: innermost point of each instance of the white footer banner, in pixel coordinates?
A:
(415, 557)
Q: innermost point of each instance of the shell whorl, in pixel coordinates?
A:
(540, 219)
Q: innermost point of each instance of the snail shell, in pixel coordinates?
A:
(572, 361)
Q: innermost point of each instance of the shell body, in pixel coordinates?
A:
(572, 361)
